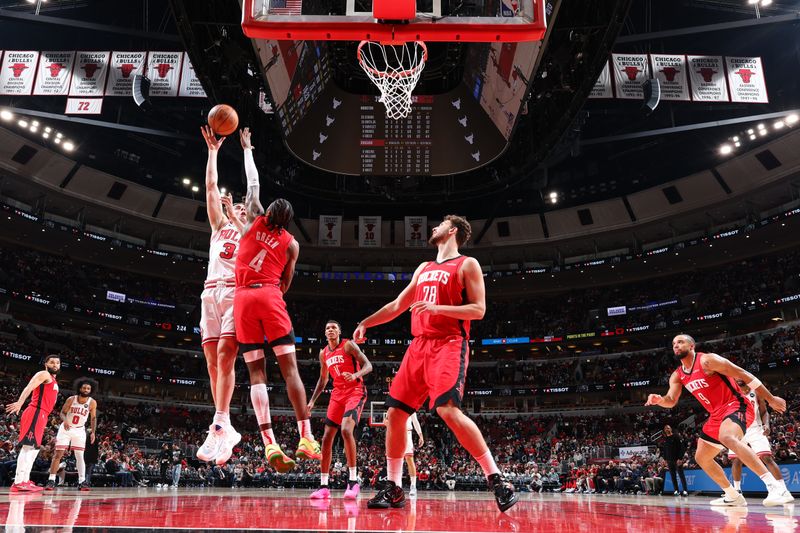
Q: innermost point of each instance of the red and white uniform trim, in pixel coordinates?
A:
(75, 436)
(216, 301)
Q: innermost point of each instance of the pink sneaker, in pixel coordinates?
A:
(352, 491)
(322, 493)
(33, 487)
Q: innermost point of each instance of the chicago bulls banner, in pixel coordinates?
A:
(602, 87)
(369, 232)
(630, 72)
(124, 66)
(416, 232)
(164, 71)
(707, 77)
(190, 84)
(670, 71)
(54, 73)
(89, 74)
(18, 72)
(330, 230)
(746, 80)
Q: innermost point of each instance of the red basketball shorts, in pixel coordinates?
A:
(434, 367)
(344, 404)
(31, 426)
(741, 412)
(260, 316)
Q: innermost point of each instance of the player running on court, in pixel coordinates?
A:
(444, 296)
(346, 363)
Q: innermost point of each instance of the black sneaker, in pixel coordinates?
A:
(85, 486)
(389, 496)
(51, 485)
(504, 493)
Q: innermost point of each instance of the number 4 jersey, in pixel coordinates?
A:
(439, 284)
(262, 254)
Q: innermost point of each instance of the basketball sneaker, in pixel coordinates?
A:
(51, 485)
(33, 487)
(210, 447)
(389, 496)
(777, 495)
(322, 493)
(739, 501)
(279, 460)
(412, 491)
(504, 493)
(308, 449)
(84, 486)
(228, 440)
(352, 491)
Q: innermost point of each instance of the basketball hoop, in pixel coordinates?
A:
(395, 68)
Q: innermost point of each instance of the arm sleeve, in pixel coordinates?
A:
(250, 169)
(415, 424)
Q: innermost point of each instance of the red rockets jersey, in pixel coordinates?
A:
(438, 283)
(44, 396)
(338, 362)
(262, 254)
(714, 392)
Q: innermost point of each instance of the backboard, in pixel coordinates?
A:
(377, 414)
(436, 20)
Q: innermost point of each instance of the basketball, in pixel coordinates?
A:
(223, 119)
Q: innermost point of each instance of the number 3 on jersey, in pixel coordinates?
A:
(228, 250)
(429, 294)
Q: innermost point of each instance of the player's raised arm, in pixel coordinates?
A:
(252, 201)
(216, 217)
(390, 311)
(321, 382)
(37, 379)
(714, 363)
(227, 203)
(669, 400)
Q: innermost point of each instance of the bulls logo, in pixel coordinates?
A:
(18, 68)
(670, 73)
(90, 69)
(55, 69)
(126, 69)
(163, 69)
(330, 226)
(631, 72)
(746, 74)
(707, 73)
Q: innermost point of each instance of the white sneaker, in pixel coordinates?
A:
(210, 447)
(725, 502)
(777, 496)
(228, 440)
(412, 491)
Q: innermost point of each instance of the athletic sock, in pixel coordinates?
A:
(80, 464)
(222, 419)
(353, 473)
(413, 482)
(51, 477)
(304, 428)
(737, 484)
(487, 464)
(394, 470)
(769, 480)
(323, 480)
(731, 493)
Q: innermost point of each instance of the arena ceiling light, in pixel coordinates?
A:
(68, 146)
(791, 119)
(195, 188)
(23, 123)
(6, 115)
(553, 197)
(779, 125)
(187, 181)
(725, 149)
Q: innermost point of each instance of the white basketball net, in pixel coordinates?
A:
(395, 69)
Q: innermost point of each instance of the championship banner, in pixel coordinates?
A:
(602, 87)
(17, 72)
(707, 76)
(416, 234)
(84, 106)
(746, 80)
(330, 230)
(124, 66)
(369, 232)
(164, 71)
(89, 74)
(54, 73)
(190, 84)
(630, 73)
(670, 71)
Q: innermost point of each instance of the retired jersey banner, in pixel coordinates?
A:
(18, 72)
(602, 87)
(746, 80)
(369, 232)
(84, 106)
(164, 71)
(54, 73)
(707, 77)
(670, 71)
(330, 230)
(89, 74)
(630, 73)
(190, 84)
(416, 232)
(124, 66)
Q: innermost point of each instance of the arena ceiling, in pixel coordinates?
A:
(562, 144)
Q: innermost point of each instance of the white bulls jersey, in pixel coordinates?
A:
(78, 413)
(751, 396)
(222, 254)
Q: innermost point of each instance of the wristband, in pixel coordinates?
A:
(753, 385)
